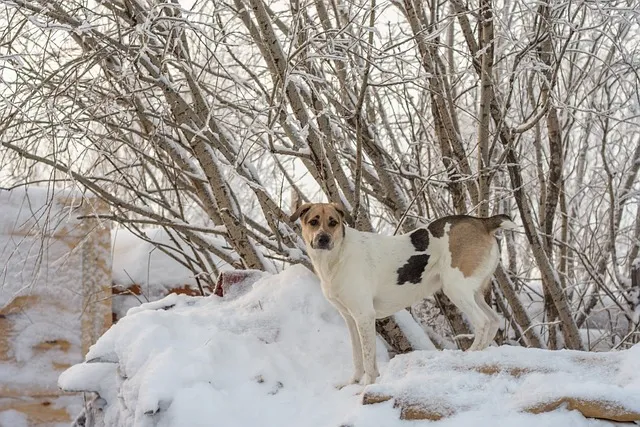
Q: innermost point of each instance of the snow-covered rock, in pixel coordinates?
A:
(503, 380)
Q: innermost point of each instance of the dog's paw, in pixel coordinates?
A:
(342, 385)
(355, 379)
(477, 346)
(369, 379)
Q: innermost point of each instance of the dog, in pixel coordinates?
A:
(369, 276)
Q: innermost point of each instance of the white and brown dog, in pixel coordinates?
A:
(369, 276)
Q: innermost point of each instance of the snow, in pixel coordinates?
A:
(413, 331)
(13, 418)
(272, 355)
(280, 346)
(49, 26)
(142, 262)
(384, 415)
(537, 376)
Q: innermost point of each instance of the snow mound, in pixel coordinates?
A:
(271, 357)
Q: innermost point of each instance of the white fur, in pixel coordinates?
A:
(359, 277)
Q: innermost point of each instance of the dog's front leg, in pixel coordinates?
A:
(356, 350)
(367, 331)
(356, 347)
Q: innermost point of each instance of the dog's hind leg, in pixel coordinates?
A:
(494, 320)
(463, 295)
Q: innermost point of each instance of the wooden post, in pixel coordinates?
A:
(96, 277)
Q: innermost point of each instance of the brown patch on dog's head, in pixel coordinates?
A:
(322, 224)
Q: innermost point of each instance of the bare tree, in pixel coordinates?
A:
(204, 120)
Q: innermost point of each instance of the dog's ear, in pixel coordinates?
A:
(346, 216)
(300, 212)
(295, 200)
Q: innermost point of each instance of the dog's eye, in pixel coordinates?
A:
(313, 222)
(333, 223)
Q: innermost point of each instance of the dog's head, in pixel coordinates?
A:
(322, 224)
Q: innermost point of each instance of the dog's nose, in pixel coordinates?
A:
(323, 241)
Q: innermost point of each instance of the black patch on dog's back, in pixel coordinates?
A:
(420, 239)
(413, 269)
(437, 227)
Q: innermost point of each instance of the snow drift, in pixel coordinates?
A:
(271, 357)
(268, 357)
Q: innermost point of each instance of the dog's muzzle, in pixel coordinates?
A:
(323, 241)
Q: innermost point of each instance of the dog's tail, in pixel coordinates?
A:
(496, 222)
